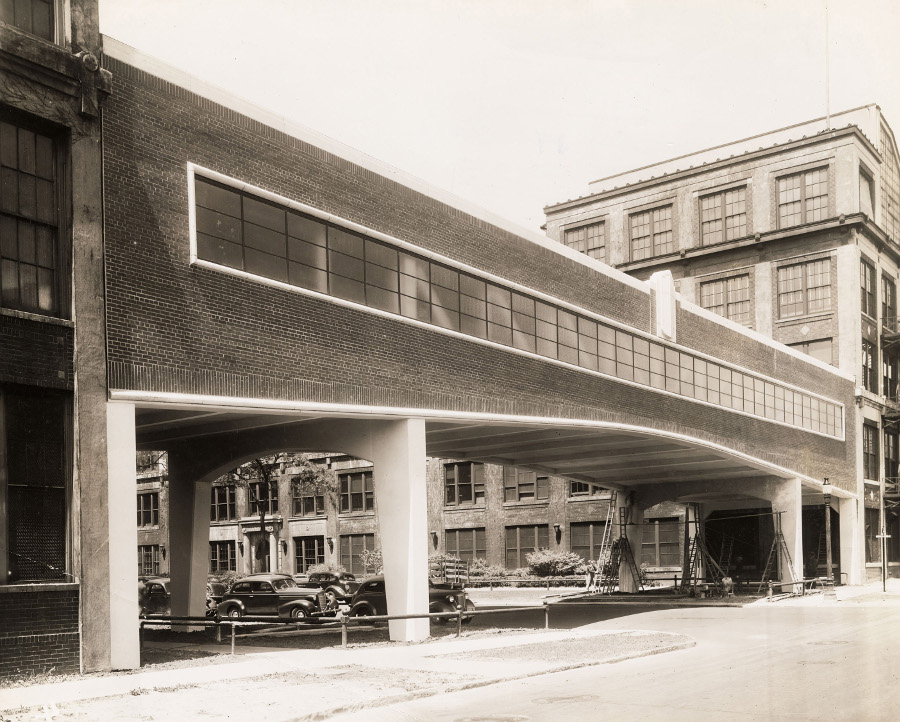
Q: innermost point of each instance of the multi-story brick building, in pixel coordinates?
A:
(794, 233)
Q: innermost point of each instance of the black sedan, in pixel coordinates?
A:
(274, 595)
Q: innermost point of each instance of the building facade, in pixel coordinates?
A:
(794, 234)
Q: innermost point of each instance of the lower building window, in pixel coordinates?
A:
(33, 486)
(870, 452)
(660, 542)
(868, 366)
(728, 297)
(586, 537)
(148, 560)
(308, 551)
(222, 556)
(873, 529)
(522, 540)
(524, 485)
(466, 544)
(352, 546)
(357, 492)
(819, 349)
(148, 509)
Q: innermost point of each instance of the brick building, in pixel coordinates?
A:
(793, 233)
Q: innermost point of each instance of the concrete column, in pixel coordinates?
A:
(273, 553)
(633, 532)
(852, 553)
(786, 499)
(121, 547)
(247, 555)
(398, 452)
(188, 539)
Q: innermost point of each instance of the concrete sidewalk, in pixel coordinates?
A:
(865, 595)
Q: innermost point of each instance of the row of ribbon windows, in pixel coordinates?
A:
(238, 230)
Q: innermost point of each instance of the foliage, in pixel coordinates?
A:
(325, 568)
(226, 578)
(480, 568)
(546, 563)
(372, 561)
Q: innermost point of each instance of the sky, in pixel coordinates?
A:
(518, 104)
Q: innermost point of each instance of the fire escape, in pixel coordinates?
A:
(890, 353)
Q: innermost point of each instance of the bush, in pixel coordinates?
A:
(546, 563)
(481, 569)
(226, 578)
(372, 561)
(325, 568)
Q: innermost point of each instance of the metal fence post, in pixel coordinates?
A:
(546, 615)
(218, 631)
(458, 621)
(343, 630)
(232, 637)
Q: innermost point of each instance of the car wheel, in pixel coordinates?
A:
(440, 620)
(469, 608)
(235, 613)
(298, 613)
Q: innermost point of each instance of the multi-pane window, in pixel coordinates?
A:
(522, 540)
(265, 495)
(466, 544)
(308, 551)
(148, 560)
(867, 288)
(148, 509)
(888, 303)
(804, 288)
(651, 233)
(803, 198)
(463, 483)
(870, 452)
(890, 186)
(873, 529)
(29, 221)
(890, 372)
(723, 216)
(524, 485)
(589, 239)
(222, 507)
(866, 193)
(582, 488)
(868, 366)
(819, 349)
(307, 502)
(728, 297)
(222, 556)
(891, 457)
(586, 538)
(32, 16)
(322, 257)
(352, 546)
(660, 542)
(357, 492)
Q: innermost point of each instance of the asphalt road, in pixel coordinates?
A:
(756, 663)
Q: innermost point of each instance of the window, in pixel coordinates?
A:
(308, 551)
(890, 371)
(148, 509)
(888, 303)
(357, 492)
(866, 194)
(148, 560)
(820, 349)
(222, 556)
(33, 489)
(265, 494)
(867, 288)
(723, 216)
(467, 544)
(463, 483)
(522, 540)
(32, 16)
(222, 503)
(728, 297)
(524, 485)
(803, 198)
(589, 239)
(651, 233)
(870, 452)
(873, 529)
(660, 542)
(352, 546)
(307, 502)
(804, 288)
(891, 457)
(868, 366)
(586, 538)
(30, 273)
(890, 185)
(581, 488)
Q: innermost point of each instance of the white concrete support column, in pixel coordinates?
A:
(273, 553)
(125, 650)
(633, 532)
(853, 565)
(786, 498)
(245, 557)
(398, 452)
(188, 540)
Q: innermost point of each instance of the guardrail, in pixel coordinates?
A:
(343, 621)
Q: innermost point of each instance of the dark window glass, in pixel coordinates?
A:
(222, 503)
(32, 16)
(357, 492)
(803, 198)
(463, 483)
(586, 538)
(222, 556)
(466, 544)
(522, 540)
(352, 546)
(660, 543)
(148, 509)
(308, 551)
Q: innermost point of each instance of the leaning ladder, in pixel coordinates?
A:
(779, 555)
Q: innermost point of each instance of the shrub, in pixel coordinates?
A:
(372, 561)
(226, 578)
(481, 569)
(325, 568)
(546, 563)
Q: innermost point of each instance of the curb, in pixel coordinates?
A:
(410, 696)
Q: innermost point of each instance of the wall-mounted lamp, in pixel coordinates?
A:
(331, 543)
(557, 529)
(241, 547)
(434, 538)
(283, 546)
(162, 550)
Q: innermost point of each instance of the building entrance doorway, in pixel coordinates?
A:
(739, 540)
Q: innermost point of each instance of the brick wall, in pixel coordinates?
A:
(39, 630)
(35, 353)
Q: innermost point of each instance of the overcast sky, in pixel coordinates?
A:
(516, 104)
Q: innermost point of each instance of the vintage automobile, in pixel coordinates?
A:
(155, 597)
(274, 595)
(338, 586)
(370, 600)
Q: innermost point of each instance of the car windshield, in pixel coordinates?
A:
(283, 584)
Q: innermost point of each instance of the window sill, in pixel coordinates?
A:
(818, 316)
(39, 317)
(579, 499)
(353, 514)
(317, 517)
(38, 587)
(540, 503)
(464, 507)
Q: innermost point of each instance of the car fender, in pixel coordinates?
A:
(363, 608)
(309, 607)
(224, 608)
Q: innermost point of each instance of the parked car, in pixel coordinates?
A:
(370, 600)
(156, 598)
(274, 595)
(338, 586)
